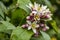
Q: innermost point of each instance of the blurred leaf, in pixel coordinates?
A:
(37, 38)
(58, 1)
(3, 36)
(3, 7)
(58, 36)
(22, 4)
(1, 13)
(2, 28)
(17, 16)
(5, 0)
(51, 32)
(45, 35)
(53, 24)
(6, 26)
(7, 19)
(21, 34)
(1, 18)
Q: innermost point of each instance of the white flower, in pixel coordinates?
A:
(32, 26)
(43, 7)
(34, 7)
(38, 13)
(37, 17)
(37, 6)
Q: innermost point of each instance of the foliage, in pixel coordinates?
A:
(13, 14)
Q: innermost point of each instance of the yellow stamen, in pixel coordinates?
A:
(36, 17)
(33, 25)
(39, 8)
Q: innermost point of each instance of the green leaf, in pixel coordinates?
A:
(3, 36)
(1, 13)
(54, 25)
(18, 16)
(6, 26)
(45, 35)
(51, 32)
(37, 38)
(4, 29)
(22, 4)
(58, 35)
(21, 34)
(8, 19)
(3, 7)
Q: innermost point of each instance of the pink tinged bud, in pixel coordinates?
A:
(36, 34)
(26, 25)
(28, 17)
(42, 16)
(47, 16)
(44, 29)
(31, 18)
(37, 26)
(23, 26)
(42, 25)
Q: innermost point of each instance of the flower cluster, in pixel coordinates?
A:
(37, 18)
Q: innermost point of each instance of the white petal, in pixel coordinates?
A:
(30, 4)
(29, 27)
(50, 18)
(27, 17)
(44, 7)
(43, 12)
(36, 5)
(34, 30)
(29, 22)
(37, 26)
(35, 12)
(47, 10)
(47, 27)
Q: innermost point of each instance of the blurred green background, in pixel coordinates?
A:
(10, 7)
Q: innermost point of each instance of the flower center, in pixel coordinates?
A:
(39, 8)
(36, 17)
(33, 25)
